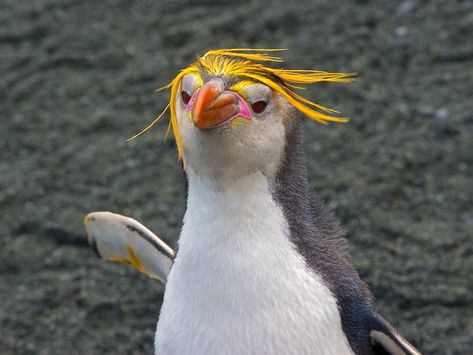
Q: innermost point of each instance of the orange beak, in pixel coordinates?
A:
(212, 106)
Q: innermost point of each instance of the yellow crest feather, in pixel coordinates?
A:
(248, 64)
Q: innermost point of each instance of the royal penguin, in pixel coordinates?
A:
(262, 265)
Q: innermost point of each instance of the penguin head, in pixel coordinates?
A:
(231, 126)
(230, 110)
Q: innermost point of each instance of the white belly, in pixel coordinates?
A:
(238, 286)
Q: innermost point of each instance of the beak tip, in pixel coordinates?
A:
(204, 98)
(212, 106)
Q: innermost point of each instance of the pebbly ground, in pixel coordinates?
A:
(77, 79)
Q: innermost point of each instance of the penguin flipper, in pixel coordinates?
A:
(122, 239)
(385, 340)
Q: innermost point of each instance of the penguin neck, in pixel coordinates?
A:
(235, 204)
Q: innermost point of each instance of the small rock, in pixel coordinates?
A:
(130, 49)
(441, 115)
(401, 31)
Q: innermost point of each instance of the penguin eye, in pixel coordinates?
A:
(185, 97)
(259, 106)
(189, 83)
(258, 96)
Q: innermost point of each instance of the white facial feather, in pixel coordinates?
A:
(235, 149)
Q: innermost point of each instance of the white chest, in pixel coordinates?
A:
(238, 286)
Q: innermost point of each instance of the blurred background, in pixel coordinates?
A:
(78, 78)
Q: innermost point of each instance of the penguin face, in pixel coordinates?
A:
(231, 127)
(229, 109)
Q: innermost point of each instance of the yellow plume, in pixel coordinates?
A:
(248, 64)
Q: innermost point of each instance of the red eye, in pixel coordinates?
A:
(258, 106)
(185, 97)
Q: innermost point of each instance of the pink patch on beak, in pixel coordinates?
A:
(191, 101)
(245, 111)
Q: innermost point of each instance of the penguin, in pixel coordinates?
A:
(262, 265)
